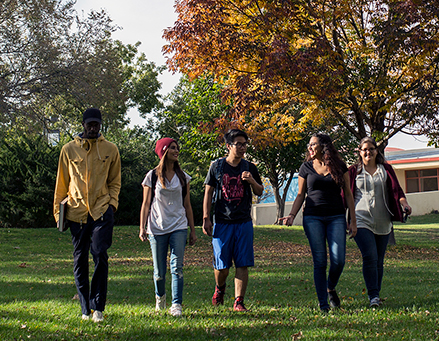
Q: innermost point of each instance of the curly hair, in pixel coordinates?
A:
(331, 158)
(379, 158)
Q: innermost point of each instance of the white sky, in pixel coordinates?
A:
(145, 20)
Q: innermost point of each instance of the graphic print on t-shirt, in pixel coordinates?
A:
(233, 188)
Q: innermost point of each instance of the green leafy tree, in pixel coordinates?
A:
(54, 64)
(134, 84)
(136, 149)
(188, 107)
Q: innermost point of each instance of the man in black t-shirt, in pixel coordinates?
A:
(233, 179)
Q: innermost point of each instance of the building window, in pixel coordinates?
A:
(424, 180)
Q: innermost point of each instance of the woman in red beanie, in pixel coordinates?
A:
(164, 217)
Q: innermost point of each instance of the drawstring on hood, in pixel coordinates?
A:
(384, 188)
(85, 140)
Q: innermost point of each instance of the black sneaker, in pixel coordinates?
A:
(375, 302)
(334, 301)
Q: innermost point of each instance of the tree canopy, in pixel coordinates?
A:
(55, 63)
(371, 66)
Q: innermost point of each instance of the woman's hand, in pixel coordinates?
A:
(352, 229)
(406, 207)
(288, 220)
(142, 234)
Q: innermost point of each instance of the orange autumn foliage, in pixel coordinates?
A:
(369, 65)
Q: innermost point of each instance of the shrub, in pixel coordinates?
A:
(27, 184)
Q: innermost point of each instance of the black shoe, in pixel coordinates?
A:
(334, 301)
(325, 310)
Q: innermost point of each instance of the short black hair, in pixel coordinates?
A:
(230, 136)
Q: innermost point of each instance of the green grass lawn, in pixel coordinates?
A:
(37, 291)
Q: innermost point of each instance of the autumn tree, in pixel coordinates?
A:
(369, 66)
(196, 116)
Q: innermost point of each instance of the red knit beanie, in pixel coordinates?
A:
(162, 145)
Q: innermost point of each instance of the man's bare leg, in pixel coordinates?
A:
(241, 281)
(220, 288)
(221, 276)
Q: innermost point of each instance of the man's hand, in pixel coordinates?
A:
(247, 176)
(207, 227)
(192, 237)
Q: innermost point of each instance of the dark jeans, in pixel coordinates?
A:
(319, 230)
(96, 237)
(373, 248)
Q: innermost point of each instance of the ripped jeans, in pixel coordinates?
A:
(159, 247)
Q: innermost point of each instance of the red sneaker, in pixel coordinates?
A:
(239, 304)
(218, 296)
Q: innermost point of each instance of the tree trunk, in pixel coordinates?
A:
(280, 206)
(280, 201)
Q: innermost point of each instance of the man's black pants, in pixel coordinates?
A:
(96, 237)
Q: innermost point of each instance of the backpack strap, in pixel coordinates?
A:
(184, 189)
(245, 165)
(154, 178)
(218, 172)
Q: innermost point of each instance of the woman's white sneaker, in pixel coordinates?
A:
(175, 310)
(160, 302)
(97, 316)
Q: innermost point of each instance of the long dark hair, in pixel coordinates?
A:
(379, 158)
(161, 169)
(331, 158)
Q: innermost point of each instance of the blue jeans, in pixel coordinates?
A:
(319, 230)
(159, 246)
(373, 248)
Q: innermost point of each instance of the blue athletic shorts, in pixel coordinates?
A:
(232, 242)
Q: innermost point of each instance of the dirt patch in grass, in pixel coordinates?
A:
(412, 252)
(279, 252)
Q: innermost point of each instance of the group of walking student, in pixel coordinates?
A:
(89, 174)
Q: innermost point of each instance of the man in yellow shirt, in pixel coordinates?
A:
(89, 173)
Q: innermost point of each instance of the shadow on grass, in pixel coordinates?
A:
(36, 299)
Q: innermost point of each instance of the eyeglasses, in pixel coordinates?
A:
(365, 150)
(240, 145)
(312, 144)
